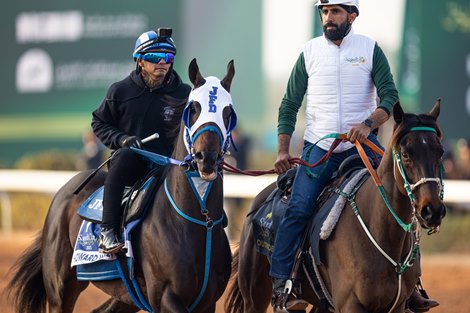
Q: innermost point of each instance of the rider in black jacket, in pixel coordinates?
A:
(150, 100)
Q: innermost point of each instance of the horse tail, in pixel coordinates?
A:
(26, 288)
(234, 301)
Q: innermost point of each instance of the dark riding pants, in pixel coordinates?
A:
(125, 168)
(307, 186)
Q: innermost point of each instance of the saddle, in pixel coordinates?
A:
(267, 217)
(135, 200)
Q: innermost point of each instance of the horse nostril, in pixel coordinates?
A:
(443, 211)
(426, 213)
(199, 156)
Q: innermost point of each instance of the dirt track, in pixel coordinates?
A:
(446, 278)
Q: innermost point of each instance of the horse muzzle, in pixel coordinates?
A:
(207, 164)
(431, 215)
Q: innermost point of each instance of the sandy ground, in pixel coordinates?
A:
(446, 278)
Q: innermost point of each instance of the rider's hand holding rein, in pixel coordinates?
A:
(361, 131)
(282, 162)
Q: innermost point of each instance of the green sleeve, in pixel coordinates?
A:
(292, 100)
(383, 80)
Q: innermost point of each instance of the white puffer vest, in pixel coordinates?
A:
(340, 91)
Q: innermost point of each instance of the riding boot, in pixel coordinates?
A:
(109, 242)
(283, 300)
(420, 302)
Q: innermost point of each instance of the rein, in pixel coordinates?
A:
(230, 168)
(209, 224)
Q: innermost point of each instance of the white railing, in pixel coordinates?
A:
(235, 186)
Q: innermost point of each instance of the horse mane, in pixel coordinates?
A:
(414, 120)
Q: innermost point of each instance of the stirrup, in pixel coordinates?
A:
(112, 249)
(287, 301)
(108, 242)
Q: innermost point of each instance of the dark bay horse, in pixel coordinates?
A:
(182, 255)
(365, 268)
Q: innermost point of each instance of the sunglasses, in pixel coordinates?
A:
(156, 57)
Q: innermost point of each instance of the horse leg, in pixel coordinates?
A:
(60, 281)
(210, 310)
(253, 274)
(64, 302)
(115, 306)
(170, 303)
(352, 308)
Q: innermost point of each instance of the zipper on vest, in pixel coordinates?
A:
(338, 86)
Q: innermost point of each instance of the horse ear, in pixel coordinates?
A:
(398, 113)
(227, 81)
(434, 113)
(194, 75)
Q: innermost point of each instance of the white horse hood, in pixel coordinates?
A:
(213, 98)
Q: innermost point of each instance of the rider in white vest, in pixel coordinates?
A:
(349, 88)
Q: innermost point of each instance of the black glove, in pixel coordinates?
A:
(131, 141)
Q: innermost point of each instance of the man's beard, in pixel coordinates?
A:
(338, 33)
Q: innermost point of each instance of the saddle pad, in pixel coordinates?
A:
(266, 221)
(329, 213)
(92, 208)
(101, 270)
(86, 247)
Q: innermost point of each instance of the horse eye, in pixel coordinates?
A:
(405, 155)
(227, 113)
(194, 112)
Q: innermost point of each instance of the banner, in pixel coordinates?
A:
(435, 62)
(57, 62)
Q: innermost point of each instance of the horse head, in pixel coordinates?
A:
(209, 119)
(417, 154)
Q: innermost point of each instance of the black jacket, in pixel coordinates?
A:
(132, 109)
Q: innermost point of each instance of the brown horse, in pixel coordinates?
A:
(365, 268)
(181, 252)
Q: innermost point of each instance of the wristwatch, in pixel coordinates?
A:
(368, 122)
